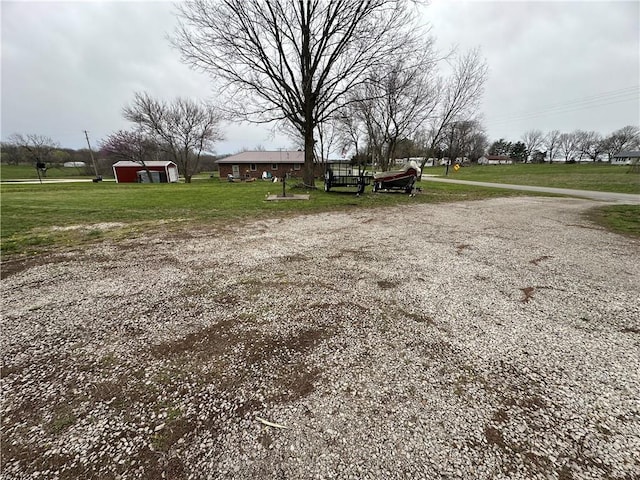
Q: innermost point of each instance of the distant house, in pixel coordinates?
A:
(495, 160)
(628, 157)
(73, 164)
(431, 162)
(134, 172)
(252, 164)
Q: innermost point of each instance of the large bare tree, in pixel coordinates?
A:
(460, 95)
(568, 145)
(589, 143)
(464, 139)
(626, 138)
(184, 129)
(552, 143)
(532, 140)
(292, 61)
(37, 148)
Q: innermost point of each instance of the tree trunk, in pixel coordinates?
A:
(146, 169)
(308, 172)
(428, 154)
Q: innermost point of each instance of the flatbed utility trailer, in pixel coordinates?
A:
(344, 174)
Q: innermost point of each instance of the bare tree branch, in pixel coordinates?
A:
(460, 94)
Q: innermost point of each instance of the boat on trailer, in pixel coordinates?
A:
(404, 179)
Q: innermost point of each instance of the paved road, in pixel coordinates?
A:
(51, 180)
(627, 198)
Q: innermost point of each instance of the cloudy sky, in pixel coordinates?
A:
(71, 66)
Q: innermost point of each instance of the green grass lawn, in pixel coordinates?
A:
(618, 218)
(600, 177)
(27, 172)
(31, 212)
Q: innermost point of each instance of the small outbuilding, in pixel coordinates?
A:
(134, 172)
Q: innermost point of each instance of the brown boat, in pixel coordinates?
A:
(404, 179)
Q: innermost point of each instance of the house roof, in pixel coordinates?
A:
(628, 154)
(279, 156)
(497, 157)
(128, 163)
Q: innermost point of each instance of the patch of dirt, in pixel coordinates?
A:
(212, 350)
(461, 247)
(536, 261)
(386, 284)
(16, 265)
(630, 330)
(528, 294)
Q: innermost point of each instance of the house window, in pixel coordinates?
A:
(274, 166)
(296, 166)
(253, 167)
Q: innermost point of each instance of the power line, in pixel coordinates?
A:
(591, 103)
(588, 99)
(594, 101)
(553, 113)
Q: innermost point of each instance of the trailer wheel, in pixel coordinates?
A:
(409, 188)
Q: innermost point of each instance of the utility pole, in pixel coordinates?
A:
(95, 169)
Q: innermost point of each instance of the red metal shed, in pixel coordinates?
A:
(133, 172)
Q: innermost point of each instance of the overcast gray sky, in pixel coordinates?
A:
(71, 66)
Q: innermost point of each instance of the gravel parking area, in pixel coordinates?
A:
(489, 339)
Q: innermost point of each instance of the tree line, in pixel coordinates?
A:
(44, 153)
(467, 140)
(537, 147)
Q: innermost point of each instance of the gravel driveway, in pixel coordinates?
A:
(489, 339)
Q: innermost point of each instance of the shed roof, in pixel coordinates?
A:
(128, 163)
(497, 157)
(284, 156)
(628, 154)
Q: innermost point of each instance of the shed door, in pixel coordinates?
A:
(173, 174)
(236, 170)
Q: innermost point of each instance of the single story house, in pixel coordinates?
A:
(135, 172)
(494, 160)
(73, 164)
(253, 164)
(627, 157)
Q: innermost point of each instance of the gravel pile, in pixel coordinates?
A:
(490, 339)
